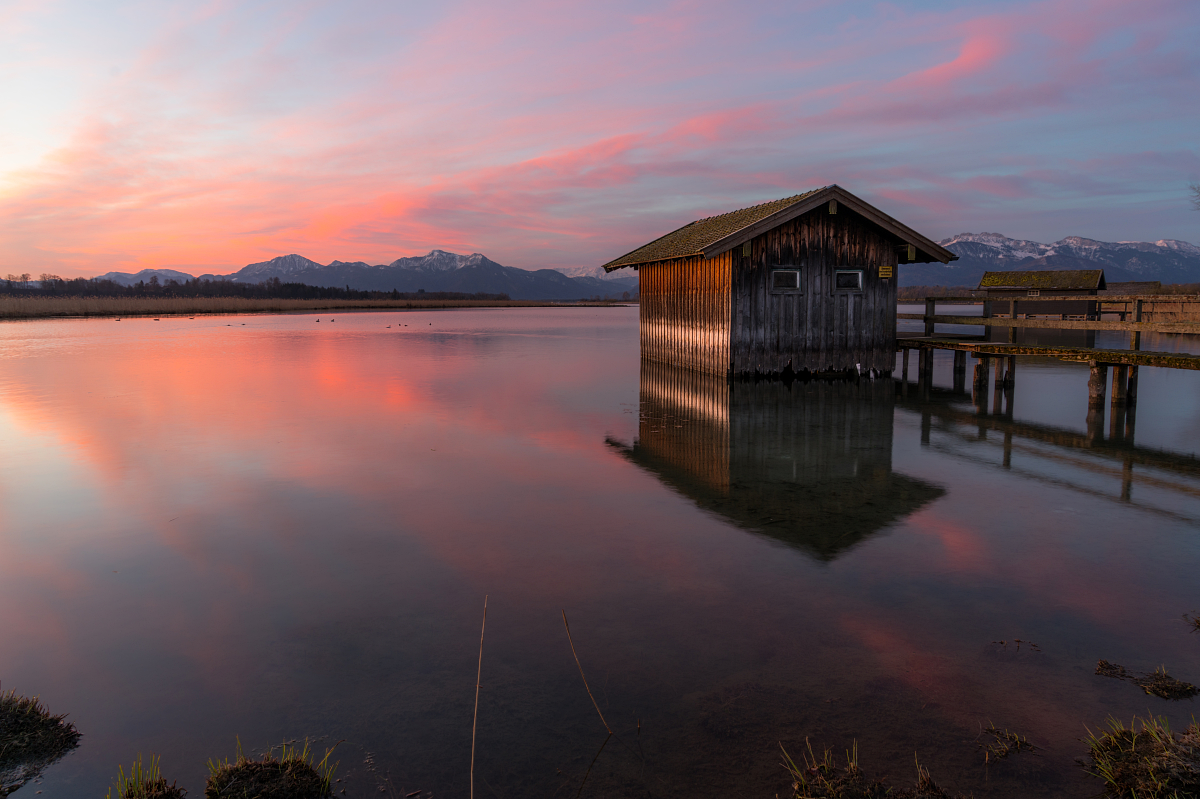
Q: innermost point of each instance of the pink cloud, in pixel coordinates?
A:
(550, 136)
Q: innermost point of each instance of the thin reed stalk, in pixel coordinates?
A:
(478, 675)
(588, 773)
(585, 682)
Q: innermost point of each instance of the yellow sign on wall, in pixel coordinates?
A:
(886, 270)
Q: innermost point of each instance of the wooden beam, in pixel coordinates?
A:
(1055, 324)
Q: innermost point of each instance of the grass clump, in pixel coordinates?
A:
(291, 775)
(1147, 763)
(144, 782)
(1156, 683)
(824, 779)
(1003, 744)
(1193, 622)
(31, 738)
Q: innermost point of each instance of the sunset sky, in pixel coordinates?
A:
(205, 135)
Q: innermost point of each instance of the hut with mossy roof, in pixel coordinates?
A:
(805, 284)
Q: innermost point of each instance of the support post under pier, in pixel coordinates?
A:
(960, 371)
(1097, 383)
(980, 386)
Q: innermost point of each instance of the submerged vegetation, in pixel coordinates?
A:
(31, 738)
(1156, 683)
(291, 775)
(1147, 763)
(824, 779)
(144, 782)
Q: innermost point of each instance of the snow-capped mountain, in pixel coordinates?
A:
(130, 279)
(438, 261)
(280, 267)
(1166, 260)
(437, 271)
(597, 272)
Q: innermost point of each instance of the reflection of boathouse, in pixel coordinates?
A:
(809, 463)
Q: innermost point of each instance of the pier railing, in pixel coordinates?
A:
(1136, 313)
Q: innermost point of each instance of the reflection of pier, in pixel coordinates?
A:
(809, 464)
(945, 411)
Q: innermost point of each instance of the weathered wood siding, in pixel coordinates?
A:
(819, 329)
(684, 312)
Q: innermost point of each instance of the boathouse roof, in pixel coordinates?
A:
(714, 235)
(1045, 280)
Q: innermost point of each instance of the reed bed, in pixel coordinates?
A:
(43, 307)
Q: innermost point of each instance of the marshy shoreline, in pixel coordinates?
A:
(14, 308)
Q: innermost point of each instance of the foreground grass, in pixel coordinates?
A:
(823, 779)
(144, 782)
(43, 307)
(31, 738)
(291, 775)
(1146, 760)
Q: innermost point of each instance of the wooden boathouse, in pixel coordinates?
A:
(805, 283)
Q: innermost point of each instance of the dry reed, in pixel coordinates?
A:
(585, 682)
(478, 675)
(42, 307)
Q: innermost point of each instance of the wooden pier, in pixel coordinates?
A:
(1001, 357)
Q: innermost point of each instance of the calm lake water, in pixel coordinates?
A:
(267, 528)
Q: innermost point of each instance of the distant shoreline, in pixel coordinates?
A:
(14, 308)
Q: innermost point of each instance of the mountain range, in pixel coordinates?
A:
(437, 271)
(1166, 260)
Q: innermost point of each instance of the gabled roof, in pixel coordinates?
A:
(718, 234)
(1050, 280)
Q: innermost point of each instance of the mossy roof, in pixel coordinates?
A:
(694, 237)
(1050, 280)
(716, 234)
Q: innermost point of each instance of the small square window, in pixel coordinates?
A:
(848, 280)
(1035, 293)
(785, 280)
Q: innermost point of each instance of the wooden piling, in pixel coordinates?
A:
(960, 371)
(1135, 343)
(1096, 384)
(1116, 423)
(930, 312)
(980, 386)
(925, 378)
(998, 390)
(904, 364)
(1120, 385)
